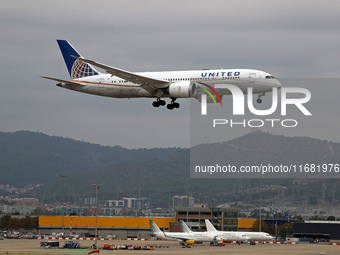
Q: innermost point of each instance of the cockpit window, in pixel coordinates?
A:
(270, 77)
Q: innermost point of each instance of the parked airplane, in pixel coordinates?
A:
(218, 235)
(119, 83)
(252, 236)
(184, 239)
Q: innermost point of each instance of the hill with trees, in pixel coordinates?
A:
(167, 175)
(34, 158)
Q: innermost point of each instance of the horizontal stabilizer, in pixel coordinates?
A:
(63, 81)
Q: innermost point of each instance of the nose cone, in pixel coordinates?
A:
(278, 84)
(270, 238)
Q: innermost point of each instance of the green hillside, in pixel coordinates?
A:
(165, 176)
(30, 157)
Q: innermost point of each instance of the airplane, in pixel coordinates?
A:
(185, 239)
(218, 236)
(118, 83)
(252, 236)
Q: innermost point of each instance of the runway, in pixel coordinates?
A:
(23, 246)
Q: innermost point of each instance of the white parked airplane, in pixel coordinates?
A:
(218, 235)
(252, 236)
(119, 83)
(184, 239)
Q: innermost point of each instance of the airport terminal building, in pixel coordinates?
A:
(225, 219)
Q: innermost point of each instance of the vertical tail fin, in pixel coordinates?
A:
(210, 227)
(75, 67)
(184, 227)
(154, 227)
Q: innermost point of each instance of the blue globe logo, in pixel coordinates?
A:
(81, 69)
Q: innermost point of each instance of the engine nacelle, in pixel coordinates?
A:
(189, 242)
(182, 89)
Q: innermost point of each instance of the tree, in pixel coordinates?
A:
(316, 217)
(27, 223)
(331, 218)
(297, 218)
(286, 229)
(5, 222)
(270, 229)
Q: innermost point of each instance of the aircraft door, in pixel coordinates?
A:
(101, 81)
(251, 77)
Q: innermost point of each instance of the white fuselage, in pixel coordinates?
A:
(179, 236)
(229, 236)
(113, 86)
(258, 236)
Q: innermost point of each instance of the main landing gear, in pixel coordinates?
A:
(170, 106)
(158, 103)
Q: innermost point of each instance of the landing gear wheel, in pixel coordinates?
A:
(176, 105)
(158, 103)
(173, 104)
(259, 100)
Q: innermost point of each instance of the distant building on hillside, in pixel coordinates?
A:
(184, 201)
(225, 219)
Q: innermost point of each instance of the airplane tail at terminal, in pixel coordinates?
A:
(210, 226)
(184, 227)
(154, 227)
(76, 67)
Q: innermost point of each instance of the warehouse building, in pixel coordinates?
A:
(318, 230)
(117, 227)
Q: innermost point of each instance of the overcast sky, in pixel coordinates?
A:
(284, 38)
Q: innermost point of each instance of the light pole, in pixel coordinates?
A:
(97, 187)
(62, 207)
(260, 203)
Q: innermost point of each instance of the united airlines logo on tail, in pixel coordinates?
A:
(81, 69)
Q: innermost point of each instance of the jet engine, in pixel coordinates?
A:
(183, 89)
(189, 242)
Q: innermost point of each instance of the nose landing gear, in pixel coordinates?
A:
(259, 100)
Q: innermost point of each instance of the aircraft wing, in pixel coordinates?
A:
(72, 83)
(184, 239)
(149, 84)
(180, 238)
